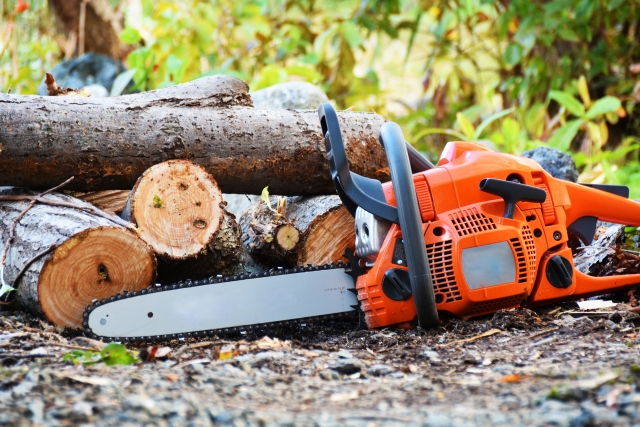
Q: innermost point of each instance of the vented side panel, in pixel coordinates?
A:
(521, 268)
(497, 304)
(442, 273)
(531, 251)
(470, 221)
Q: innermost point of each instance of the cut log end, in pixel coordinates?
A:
(177, 207)
(327, 241)
(287, 237)
(94, 264)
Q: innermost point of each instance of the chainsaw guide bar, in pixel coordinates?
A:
(277, 298)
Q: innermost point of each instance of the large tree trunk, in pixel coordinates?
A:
(107, 143)
(100, 31)
(64, 258)
(315, 230)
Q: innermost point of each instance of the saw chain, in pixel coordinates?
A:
(218, 280)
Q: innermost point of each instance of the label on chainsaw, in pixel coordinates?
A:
(224, 305)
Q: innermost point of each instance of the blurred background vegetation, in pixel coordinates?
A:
(513, 74)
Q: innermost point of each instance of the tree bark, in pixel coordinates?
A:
(315, 230)
(102, 26)
(112, 201)
(107, 143)
(63, 257)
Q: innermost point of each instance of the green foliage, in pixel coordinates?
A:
(111, 354)
(514, 74)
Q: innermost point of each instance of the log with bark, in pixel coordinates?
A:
(107, 143)
(65, 253)
(112, 201)
(178, 210)
(311, 230)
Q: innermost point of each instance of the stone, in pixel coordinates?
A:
(289, 95)
(555, 162)
(329, 375)
(379, 370)
(348, 366)
(89, 69)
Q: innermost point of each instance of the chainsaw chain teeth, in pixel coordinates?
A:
(210, 281)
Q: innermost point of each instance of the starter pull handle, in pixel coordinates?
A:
(512, 193)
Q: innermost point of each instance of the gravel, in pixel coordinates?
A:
(518, 367)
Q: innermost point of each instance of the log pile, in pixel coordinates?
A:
(146, 202)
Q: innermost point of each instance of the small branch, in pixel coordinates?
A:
(28, 263)
(113, 218)
(12, 229)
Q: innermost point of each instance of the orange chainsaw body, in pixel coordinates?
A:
(466, 233)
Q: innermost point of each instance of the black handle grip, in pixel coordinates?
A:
(512, 193)
(410, 224)
(354, 190)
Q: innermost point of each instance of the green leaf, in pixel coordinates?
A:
(116, 354)
(351, 34)
(130, 35)
(608, 104)
(265, 196)
(510, 130)
(561, 139)
(492, 118)
(568, 101)
(630, 229)
(157, 202)
(513, 54)
(121, 82)
(431, 131)
(465, 126)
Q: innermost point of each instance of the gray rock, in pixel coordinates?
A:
(379, 370)
(348, 366)
(329, 375)
(289, 95)
(91, 68)
(96, 91)
(558, 164)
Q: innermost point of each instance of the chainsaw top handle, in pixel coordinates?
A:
(357, 191)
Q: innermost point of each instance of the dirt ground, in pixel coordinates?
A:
(549, 367)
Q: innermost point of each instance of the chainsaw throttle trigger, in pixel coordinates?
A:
(411, 224)
(512, 193)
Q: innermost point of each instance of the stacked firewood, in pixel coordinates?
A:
(146, 202)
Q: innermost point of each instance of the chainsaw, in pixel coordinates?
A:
(478, 232)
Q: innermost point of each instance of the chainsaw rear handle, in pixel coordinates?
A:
(355, 190)
(410, 223)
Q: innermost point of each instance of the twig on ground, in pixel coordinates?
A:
(543, 332)
(482, 335)
(24, 356)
